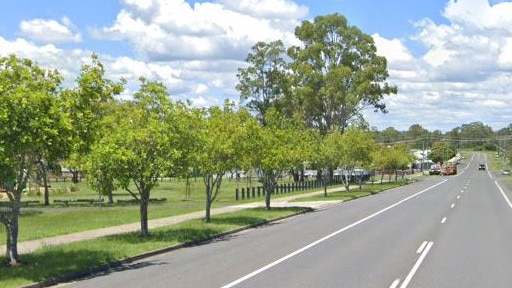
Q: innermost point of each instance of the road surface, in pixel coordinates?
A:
(444, 231)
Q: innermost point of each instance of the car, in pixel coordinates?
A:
(505, 172)
(481, 167)
(435, 170)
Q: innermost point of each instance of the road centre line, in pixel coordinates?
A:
(297, 252)
(453, 205)
(443, 221)
(416, 265)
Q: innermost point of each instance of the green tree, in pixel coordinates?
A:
(141, 148)
(392, 158)
(329, 153)
(32, 129)
(268, 149)
(86, 106)
(338, 73)
(357, 150)
(218, 151)
(264, 82)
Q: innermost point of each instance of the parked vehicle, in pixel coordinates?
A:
(505, 172)
(450, 169)
(435, 170)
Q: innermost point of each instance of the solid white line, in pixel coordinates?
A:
(422, 246)
(444, 220)
(504, 195)
(296, 252)
(395, 283)
(416, 265)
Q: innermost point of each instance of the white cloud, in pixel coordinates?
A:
(166, 30)
(50, 31)
(394, 50)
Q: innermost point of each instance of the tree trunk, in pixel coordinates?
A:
(11, 225)
(110, 196)
(44, 182)
(144, 201)
(75, 179)
(268, 193)
(207, 216)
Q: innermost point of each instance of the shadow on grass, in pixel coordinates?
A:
(48, 264)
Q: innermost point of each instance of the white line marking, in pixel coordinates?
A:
(458, 197)
(296, 252)
(444, 220)
(416, 266)
(453, 205)
(422, 246)
(504, 195)
(395, 283)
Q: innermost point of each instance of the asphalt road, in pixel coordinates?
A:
(444, 231)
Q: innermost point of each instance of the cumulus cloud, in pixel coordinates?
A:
(464, 74)
(50, 31)
(167, 30)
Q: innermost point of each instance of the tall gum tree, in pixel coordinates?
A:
(32, 127)
(265, 81)
(338, 73)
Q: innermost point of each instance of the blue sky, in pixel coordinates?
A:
(451, 59)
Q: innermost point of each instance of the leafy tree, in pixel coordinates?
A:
(264, 83)
(218, 151)
(141, 148)
(442, 152)
(268, 149)
(86, 106)
(338, 71)
(418, 135)
(357, 149)
(392, 158)
(329, 153)
(32, 129)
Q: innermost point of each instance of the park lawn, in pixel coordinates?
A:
(38, 221)
(50, 262)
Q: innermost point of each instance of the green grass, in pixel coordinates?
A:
(354, 192)
(49, 262)
(38, 221)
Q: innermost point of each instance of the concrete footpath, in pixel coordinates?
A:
(30, 246)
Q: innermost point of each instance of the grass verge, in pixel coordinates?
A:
(48, 263)
(354, 192)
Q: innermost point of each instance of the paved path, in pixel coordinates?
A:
(29, 246)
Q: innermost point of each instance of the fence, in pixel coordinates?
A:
(283, 188)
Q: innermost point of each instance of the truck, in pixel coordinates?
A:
(450, 168)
